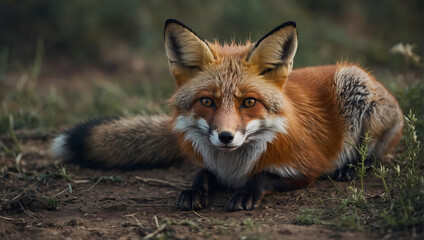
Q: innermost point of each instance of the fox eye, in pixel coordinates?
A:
(249, 102)
(207, 102)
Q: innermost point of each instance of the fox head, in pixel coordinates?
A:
(230, 95)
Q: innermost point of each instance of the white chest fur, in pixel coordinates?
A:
(232, 168)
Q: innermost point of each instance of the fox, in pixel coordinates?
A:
(254, 124)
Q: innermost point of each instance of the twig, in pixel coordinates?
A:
(156, 221)
(160, 182)
(198, 214)
(97, 182)
(160, 229)
(337, 186)
(61, 192)
(80, 181)
(299, 196)
(18, 162)
(130, 215)
(17, 196)
(26, 211)
(279, 197)
(12, 219)
(138, 223)
(181, 181)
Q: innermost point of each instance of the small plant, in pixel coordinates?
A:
(407, 51)
(16, 149)
(354, 197)
(382, 173)
(361, 168)
(413, 147)
(309, 216)
(194, 227)
(62, 172)
(52, 203)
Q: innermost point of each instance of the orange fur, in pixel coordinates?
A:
(315, 138)
(308, 99)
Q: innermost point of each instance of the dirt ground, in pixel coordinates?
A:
(41, 200)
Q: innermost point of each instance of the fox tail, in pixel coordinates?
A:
(134, 142)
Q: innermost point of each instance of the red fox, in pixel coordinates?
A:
(255, 124)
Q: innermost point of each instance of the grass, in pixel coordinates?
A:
(15, 150)
(53, 203)
(403, 183)
(33, 110)
(35, 106)
(407, 184)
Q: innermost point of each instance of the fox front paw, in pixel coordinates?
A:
(244, 200)
(193, 200)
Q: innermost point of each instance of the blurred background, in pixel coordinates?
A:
(62, 62)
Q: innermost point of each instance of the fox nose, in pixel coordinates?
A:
(226, 137)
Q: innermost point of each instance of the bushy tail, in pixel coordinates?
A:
(134, 142)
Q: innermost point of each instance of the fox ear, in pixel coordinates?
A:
(273, 54)
(187, 52)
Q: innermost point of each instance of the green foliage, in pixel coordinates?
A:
(411, 94)
(15, 150)
(403, 184)
(72, 28)
(61, 172)
(354, 198)
(34, 110)
(382, 173)
(52, 203)
(25, 104)
(117, 179)
(407, 184)
(89, 30)
(309, 216)
(193, 225)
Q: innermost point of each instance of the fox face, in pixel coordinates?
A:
(228, 102)
(229, 115)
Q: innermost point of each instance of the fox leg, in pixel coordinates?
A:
(251, 194)
(197, 197)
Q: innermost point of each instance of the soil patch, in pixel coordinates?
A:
(40, 200)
